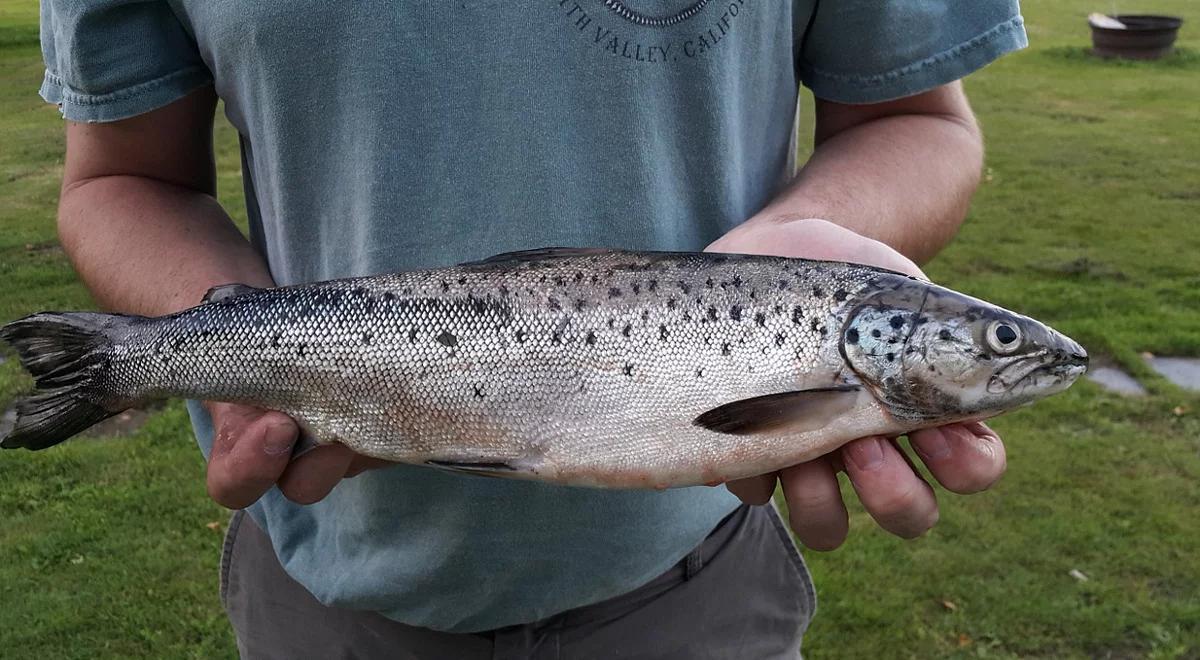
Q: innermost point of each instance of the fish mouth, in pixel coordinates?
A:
(1052, 369)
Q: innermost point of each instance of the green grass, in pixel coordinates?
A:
(1087, 220)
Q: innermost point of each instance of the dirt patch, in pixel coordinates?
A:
(119, 425)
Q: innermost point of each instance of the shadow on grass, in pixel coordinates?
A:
(1181, 58)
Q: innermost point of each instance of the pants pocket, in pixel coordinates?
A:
(235, 522)
(808, 591)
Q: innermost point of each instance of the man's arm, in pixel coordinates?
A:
(896, 174)
(140, 223)
(901, 172)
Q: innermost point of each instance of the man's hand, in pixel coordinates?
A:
(964, 458)
(252, 451)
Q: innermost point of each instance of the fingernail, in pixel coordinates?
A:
(933, 445)
(866, 454)
(279, 439)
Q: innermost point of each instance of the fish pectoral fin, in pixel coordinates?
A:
(537, 254)
(482, 467)
(227, 291)
(804, 410)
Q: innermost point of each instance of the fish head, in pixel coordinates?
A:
(934, 356)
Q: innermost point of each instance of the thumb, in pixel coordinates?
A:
(251, 450)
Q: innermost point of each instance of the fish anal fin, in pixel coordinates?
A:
(482, 467)
(797, 412)
(227, 291)
(538, 254)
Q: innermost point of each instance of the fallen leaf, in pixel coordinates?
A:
(964, 640)
(77, 559)
(214, 526)
(1180, 411)
(1078, 575)
(949, 604)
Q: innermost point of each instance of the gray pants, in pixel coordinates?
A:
(743, 593)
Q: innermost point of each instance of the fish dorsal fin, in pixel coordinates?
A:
(805, 410)
(227, 291)
(538, 254)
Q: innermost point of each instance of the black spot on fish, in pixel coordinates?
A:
(447, 339)
(783, 285)
(753, 294)
(876, 334)
(891, 357)
(725, 348)
(462, 280)
(672, 303)
(611, 322)
(614, 292)
(931, 368)
(521, 336)
(687, 317)
(840, 295)
(797, 314)
(735, 312)
(736, 282)
(852, 336)
(590, 338)
(556, 337)
(699, 372)
(445, 286)
(896, 322)
(412, 335)
(552, 303)
(478, 391)
(760, 319)
(712, 313)
(579, 276)
(683, 286)
(779, 339)
(662, 332)
(580, 304)
(358, 291)
(627, 329)
(817, 292)
(636, 288)
(389, 296)
(628, 369)
(652, 285)
(645, 314)
(300, 350)
(777, 310)
(503, 290)
(366, 338)
(944, 334)
(560, 281)
(595, 278)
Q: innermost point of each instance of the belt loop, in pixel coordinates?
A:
(693, 563)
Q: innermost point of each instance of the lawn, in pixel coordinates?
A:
(1087, 219)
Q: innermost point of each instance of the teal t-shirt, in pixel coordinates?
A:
(379, 136)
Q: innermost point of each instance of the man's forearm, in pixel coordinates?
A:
(905, 180)
(144, 246)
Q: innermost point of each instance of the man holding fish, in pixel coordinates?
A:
(386, 137)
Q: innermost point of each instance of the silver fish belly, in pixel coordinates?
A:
(583, 367)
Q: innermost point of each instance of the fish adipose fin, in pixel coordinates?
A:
(66, 353)
(227, 291)
(805, 410)
(537, 255)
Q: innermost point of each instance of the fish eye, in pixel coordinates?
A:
(1003, 337)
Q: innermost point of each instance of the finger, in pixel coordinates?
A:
(250, 450)
(311, 477)
(362, 463)
(965, 458)
(891, 491)
(816, 511)
(754, 490)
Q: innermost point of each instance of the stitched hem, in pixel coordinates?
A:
(125, 102)
(947, 66)
(235, 523)
(798, 563)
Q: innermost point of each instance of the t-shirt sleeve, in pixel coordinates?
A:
(111, 59)
(867, 51)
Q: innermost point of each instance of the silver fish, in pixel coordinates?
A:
(583, 367)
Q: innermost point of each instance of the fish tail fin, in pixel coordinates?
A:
(68, 356)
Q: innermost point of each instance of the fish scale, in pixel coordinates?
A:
(596, 368)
